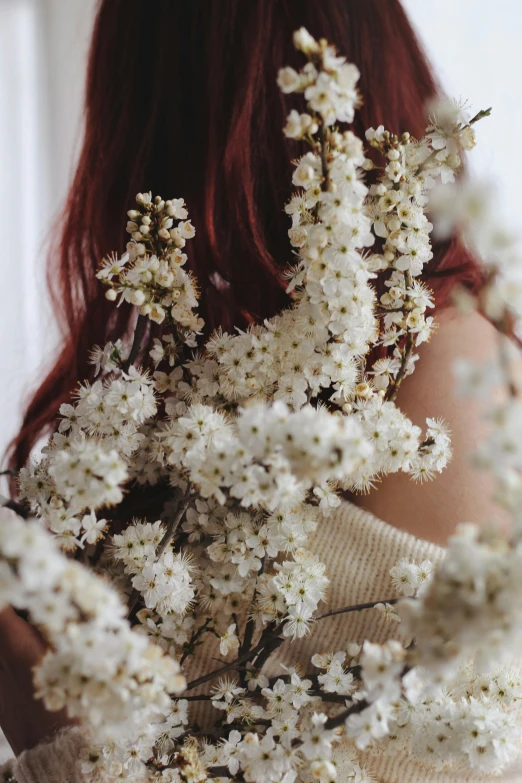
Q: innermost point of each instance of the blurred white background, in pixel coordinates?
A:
(475, 46)
(43, 43)
(43, 47)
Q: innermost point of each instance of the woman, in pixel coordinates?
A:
(182, 100)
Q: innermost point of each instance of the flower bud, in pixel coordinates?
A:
(144, 198)
(304, 41)
(137, 297)
(111, 294)
(176, 236)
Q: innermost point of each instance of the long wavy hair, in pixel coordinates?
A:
(181, 99)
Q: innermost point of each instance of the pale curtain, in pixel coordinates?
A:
(43, 45)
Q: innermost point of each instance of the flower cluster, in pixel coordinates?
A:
(150, 274)
(331, 90)
(470, 609)
(231, 458)
(398, 205)
(162, 578)
(473, 721)
(112, 678)
(268, 456)
(87, 460)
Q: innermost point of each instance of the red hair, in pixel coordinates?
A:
(181, 100)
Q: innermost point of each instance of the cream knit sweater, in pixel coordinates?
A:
(358, 550)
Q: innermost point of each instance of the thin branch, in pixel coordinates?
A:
(408, 350)
(18, 508)
(219, 772)
(505, 364)
(139, 332)
(260, 646)
(135, 601)
(330, 698)
(251, 622)
(190, 646)
(171, 529)
(324, 162)
(270, 648)
(431, 157)
(356, 608)
(480, 115)
(218, 672)
(338, 720)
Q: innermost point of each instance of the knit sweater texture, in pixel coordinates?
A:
(359, 550)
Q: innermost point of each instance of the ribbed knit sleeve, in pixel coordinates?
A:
(50, 762)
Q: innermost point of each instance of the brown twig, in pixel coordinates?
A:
(18, 508)
(242, 659)
(139, 332)
(393, 389)
(172, 526)
(324, 162)
(356, 608)
(220, 772)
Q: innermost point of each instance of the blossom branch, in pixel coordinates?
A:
(393, 389)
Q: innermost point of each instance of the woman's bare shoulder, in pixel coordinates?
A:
(460, 493)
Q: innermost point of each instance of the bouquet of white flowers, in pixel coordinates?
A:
(190, 475)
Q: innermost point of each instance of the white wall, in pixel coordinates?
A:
(43, 45)
(474, 44)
